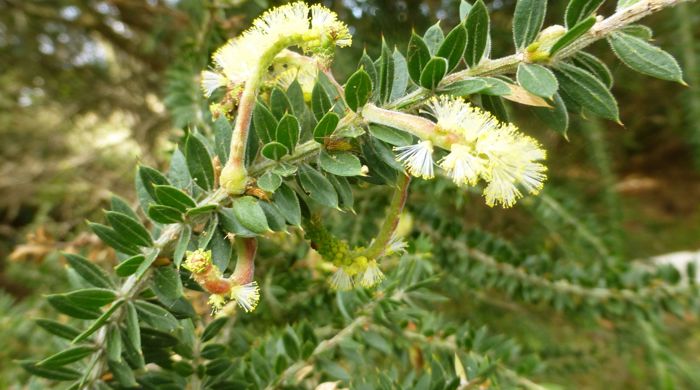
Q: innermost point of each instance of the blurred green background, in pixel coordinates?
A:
(89, 88)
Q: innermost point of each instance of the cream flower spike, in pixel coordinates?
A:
(211, 81)
(462, 166)
(372, 275)
(287, 20)
(418, 159)
(483, 148)
(314, 29)
(325, 22)
(454, 115)
(247, 296)
(341, 281)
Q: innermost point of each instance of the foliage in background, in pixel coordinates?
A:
(572, 262)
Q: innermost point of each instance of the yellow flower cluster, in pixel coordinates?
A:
(314, 29)
(352, 267)
(481, 148)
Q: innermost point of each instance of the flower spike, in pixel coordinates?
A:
(418, 159)
(247, 296)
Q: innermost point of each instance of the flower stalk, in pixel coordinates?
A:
(391, 220)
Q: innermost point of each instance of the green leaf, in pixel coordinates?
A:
(150, 177)
(622, 4)
(527, 21)
(182, 243)
(464, 7)
(274, 151)
(465, 87)
(433, 37)
(100, 322)
(586, 90)
(269, 181)
(89, 271)
(477, 25)
(495, 105)
(433, 73)
(114, 343)
(57, 328)
(113, 239)
(279, 103)
(390, 135)
(496, 87)
(326, 126)
(341, 164)
(199, 162)
(174, 197)
(386, 73)
(222, 138)
(287, 132)
(342, 187)
(452, 48)
(57, 374)
(178, 173)
(379, 171)
(417, 56)
(209, 229)
(129, 229)
(129, 266)
(291, 344)
(320, 102)
(358, 89)
(156, 316)
(220, 248)
(274, 217)
(164, 214)
(296, 98)
(122, 373)
(638, 30)
(579, 10)
(68, 307)
(230, 223)
(645, 58)
(167, 284)
(572, 34)
(201, 210)
(250, 214)
(152, 338)
(213, 329)
(317, 186)
(133, 332)
(595, 66)
(398, 88)
(146, 263)
(557, 118)
(288, 204)
(122, 206)
(537, 80)
(264, 121)
(91, 298)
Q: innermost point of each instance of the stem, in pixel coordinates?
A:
(599, 31)
(234, 175)
(418, 126)
(494, 67)
(391, 221)
(132, 286)
(245, 264)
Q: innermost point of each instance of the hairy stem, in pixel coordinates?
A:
(234, 175)
(391, 221)
(245, 264)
